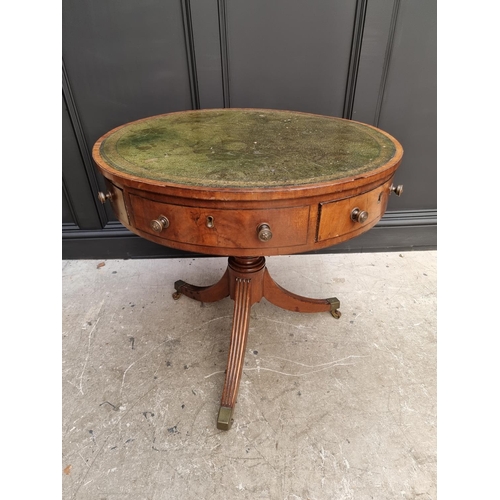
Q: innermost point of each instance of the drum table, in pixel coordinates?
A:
(246, 183)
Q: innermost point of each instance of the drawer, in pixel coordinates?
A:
(336, 217)
(117, 202)
(222, 228)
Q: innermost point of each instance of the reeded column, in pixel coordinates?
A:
(237, 346)
(245, 287)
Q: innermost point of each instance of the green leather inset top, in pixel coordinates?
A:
(245, 148)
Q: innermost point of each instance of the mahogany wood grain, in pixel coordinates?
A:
(212, 293)
(335, 216)
(299, 225)
(228, 229)
(280, 297)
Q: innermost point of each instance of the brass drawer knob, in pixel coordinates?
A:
(104, 197)
(264, 232)
(397, 190)
(159, 224)
(358, 215)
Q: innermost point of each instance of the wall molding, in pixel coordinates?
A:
(354, 58)
(190, 53)
(424, 217)
(82, 142)
(224, 51)
(402, 230)
(70, 204)
(387, 61)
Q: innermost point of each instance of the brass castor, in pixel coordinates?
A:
(224, 419)
(334, 307)
(176, 295)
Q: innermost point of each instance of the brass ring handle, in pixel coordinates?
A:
(358, 215)
(264, 232)
(159, 224)
(104, 197)
(397, 190)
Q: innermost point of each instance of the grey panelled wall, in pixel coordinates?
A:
(289, 54)
(410, 92)
(370, 60)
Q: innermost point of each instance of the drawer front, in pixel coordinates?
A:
(222, 228)
(117, 202)
(336, 218)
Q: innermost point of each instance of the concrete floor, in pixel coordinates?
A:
(327, 409)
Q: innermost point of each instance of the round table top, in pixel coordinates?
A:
(245, 148)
